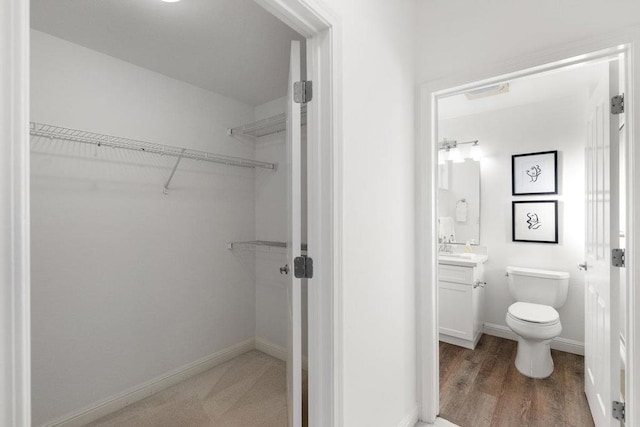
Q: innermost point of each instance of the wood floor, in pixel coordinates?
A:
(247, 391)
(482, 387)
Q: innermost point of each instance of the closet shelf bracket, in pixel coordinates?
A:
(166, 186)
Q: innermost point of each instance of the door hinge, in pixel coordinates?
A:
(617, 104)
(618, 257)
(303, 267)
(302, 91)
(618, 410)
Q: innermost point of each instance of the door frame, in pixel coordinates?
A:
(625, 41)
(321, 27)
(15, 315)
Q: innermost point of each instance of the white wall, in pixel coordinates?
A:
(557, 124)
(457, 36)
(128, 283)
(379, 337)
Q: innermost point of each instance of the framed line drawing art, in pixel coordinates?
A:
(535, 221)
(534, 173)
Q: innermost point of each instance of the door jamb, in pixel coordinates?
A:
(324, 174)
(15, 341)
(426, 246)
(322, 29)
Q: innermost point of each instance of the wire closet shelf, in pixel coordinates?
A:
(267, 244)
(268, 126)
(67, 134)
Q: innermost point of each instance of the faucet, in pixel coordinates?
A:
(445, 244)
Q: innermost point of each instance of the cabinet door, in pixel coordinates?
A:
(478, 309)
(456, 314)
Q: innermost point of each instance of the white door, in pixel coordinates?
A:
(294, 291)
(602, 329)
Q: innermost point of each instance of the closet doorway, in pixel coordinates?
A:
(147, 287)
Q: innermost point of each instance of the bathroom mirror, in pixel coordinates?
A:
(459, 202)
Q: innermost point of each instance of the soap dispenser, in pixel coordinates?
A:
(468, 249)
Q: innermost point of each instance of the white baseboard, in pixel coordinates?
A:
(441, 422)
(559, 343)
(271, 349)
(274, 350)
(411, 419)
(116, 402)
(460, 342)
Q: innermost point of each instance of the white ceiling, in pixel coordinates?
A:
(573, 81)
(232, 47)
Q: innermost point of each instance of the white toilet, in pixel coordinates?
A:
(534, 317)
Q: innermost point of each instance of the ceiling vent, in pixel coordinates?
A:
(487, 91)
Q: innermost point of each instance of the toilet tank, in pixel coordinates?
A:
(538, 286)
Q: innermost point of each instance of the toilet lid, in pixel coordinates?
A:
(536, 313)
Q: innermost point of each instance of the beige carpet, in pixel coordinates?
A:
(248, 391)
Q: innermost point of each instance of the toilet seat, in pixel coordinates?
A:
(534, 313)
(534, 321)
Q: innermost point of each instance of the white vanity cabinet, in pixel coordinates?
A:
(461, 298)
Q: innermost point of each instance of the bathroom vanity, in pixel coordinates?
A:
(461, 258)
(461, 295)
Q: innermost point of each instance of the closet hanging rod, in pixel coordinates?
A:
(67, 134)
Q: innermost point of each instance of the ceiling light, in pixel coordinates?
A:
(170, 1)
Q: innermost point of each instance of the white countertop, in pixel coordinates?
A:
(462, 259)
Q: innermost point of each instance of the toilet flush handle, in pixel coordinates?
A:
(582, 266)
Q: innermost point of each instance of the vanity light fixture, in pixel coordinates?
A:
(170, 1)
(450, 150)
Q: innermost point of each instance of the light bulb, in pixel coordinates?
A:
(442, 157)
(476, 152)
(455, 156)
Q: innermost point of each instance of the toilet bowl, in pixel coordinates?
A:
(533, 317)
(536, 325)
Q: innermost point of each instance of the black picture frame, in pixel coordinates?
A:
(514, 233)
(515, 173)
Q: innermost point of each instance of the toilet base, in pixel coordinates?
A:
(534, 358)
